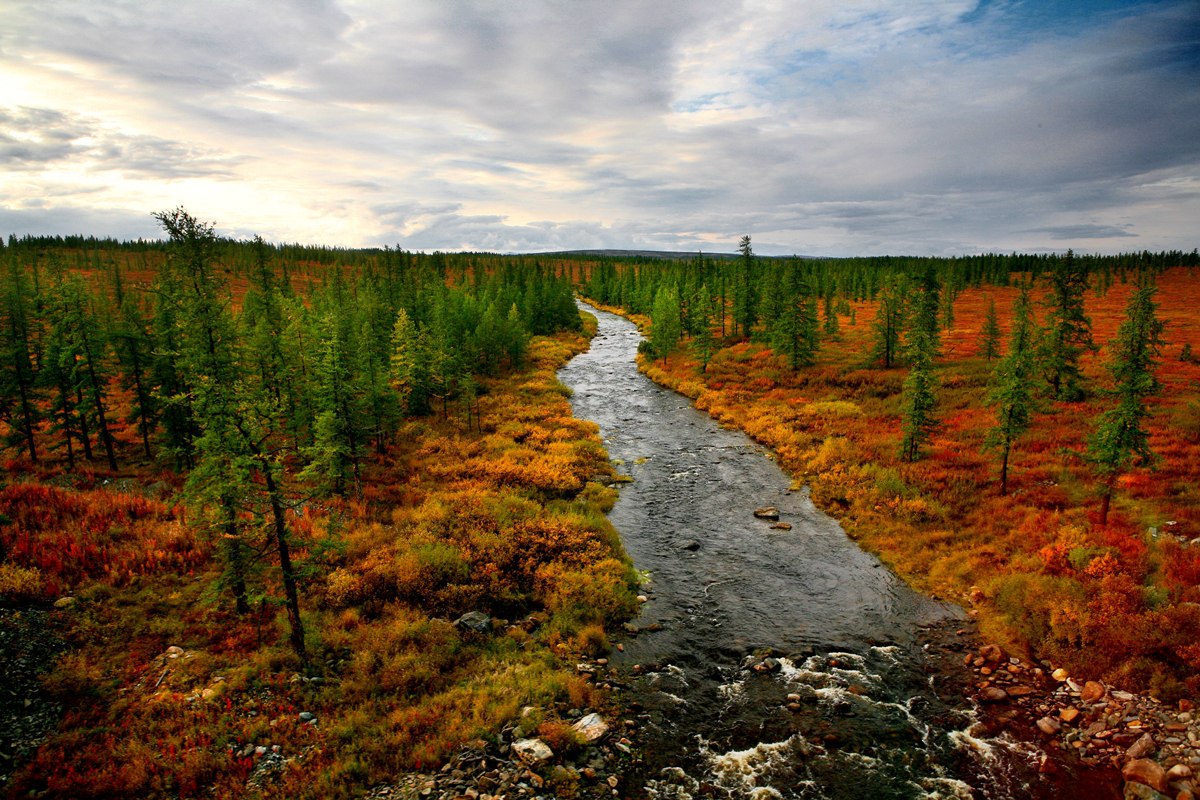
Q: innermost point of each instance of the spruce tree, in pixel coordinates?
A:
(1068, 331)
(1012, 389)
(1120, 440)
(703, 314)
(890, 318)
(922, 345)
(989, 334)
(666, 326)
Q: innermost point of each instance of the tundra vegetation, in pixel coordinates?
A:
(1017, 433)
(271, 479)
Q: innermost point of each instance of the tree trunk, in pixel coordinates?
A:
(1004, 471)
(285, 563)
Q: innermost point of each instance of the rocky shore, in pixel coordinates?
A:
(1155, 748)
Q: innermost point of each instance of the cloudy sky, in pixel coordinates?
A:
(825, 127)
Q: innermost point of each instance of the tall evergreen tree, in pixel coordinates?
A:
(18, 354)
(666, 323)
(1120, 440)
(745, 300)
(989, 334)
(1068, 331)
(890, 320)
(795, 333)
(1013, 386)
(922, 345)
(704, 317)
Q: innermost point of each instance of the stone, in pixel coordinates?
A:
(591, 727)
(64, 602)
(767, 512)
(1091, 692)
(307, 716)
(1146, 772)
(1139, 791)
(1068, 714)
(1179, 772)
(691, 545)
(1060, 674)
(782, 526)
(532, 751)
(1020, 691)
(993, 694)
(1049, 725)
(474, 621)
(991, 653)
(1143, 747)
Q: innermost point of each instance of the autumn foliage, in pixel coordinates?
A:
(1119, 601)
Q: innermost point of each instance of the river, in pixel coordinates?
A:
(768, 662)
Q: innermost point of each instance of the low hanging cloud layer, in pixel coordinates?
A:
(832, 127)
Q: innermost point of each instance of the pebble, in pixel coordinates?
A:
(1157, 747)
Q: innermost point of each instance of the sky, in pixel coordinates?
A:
(822, 127)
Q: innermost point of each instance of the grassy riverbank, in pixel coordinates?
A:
(166, 691)
(1117, 601)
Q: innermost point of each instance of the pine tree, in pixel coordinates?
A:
(18, 354)
(1120, 440)
(703, 314)
(922, 345)
(1068, 331)
(890, 319)
(666, 324)
(745, 311)
(989, 334)
(1013, 388)
(795, 333)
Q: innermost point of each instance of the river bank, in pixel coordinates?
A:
(1093, 739)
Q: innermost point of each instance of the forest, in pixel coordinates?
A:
(246, 482)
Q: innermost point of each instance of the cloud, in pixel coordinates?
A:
(35, 138)
(1085, 231)
(826, 127)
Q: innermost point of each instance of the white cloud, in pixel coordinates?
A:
(823, 127)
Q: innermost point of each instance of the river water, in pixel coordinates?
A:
(859, 699)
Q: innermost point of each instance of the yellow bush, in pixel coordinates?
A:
(20, 583)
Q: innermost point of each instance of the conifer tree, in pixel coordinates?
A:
(704, 316)
(18, 354)
(1120, 440)
(989, 334)
(666, 325)
(922, 345)
(890, 319)
(1012, 389)
(1068, 331)
(795, 333)
(745, 311)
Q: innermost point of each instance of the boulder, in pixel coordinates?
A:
(591, 727)
(1145, 772)
(64, 602)
(532, 751)
(474, 621)
(767, 512)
